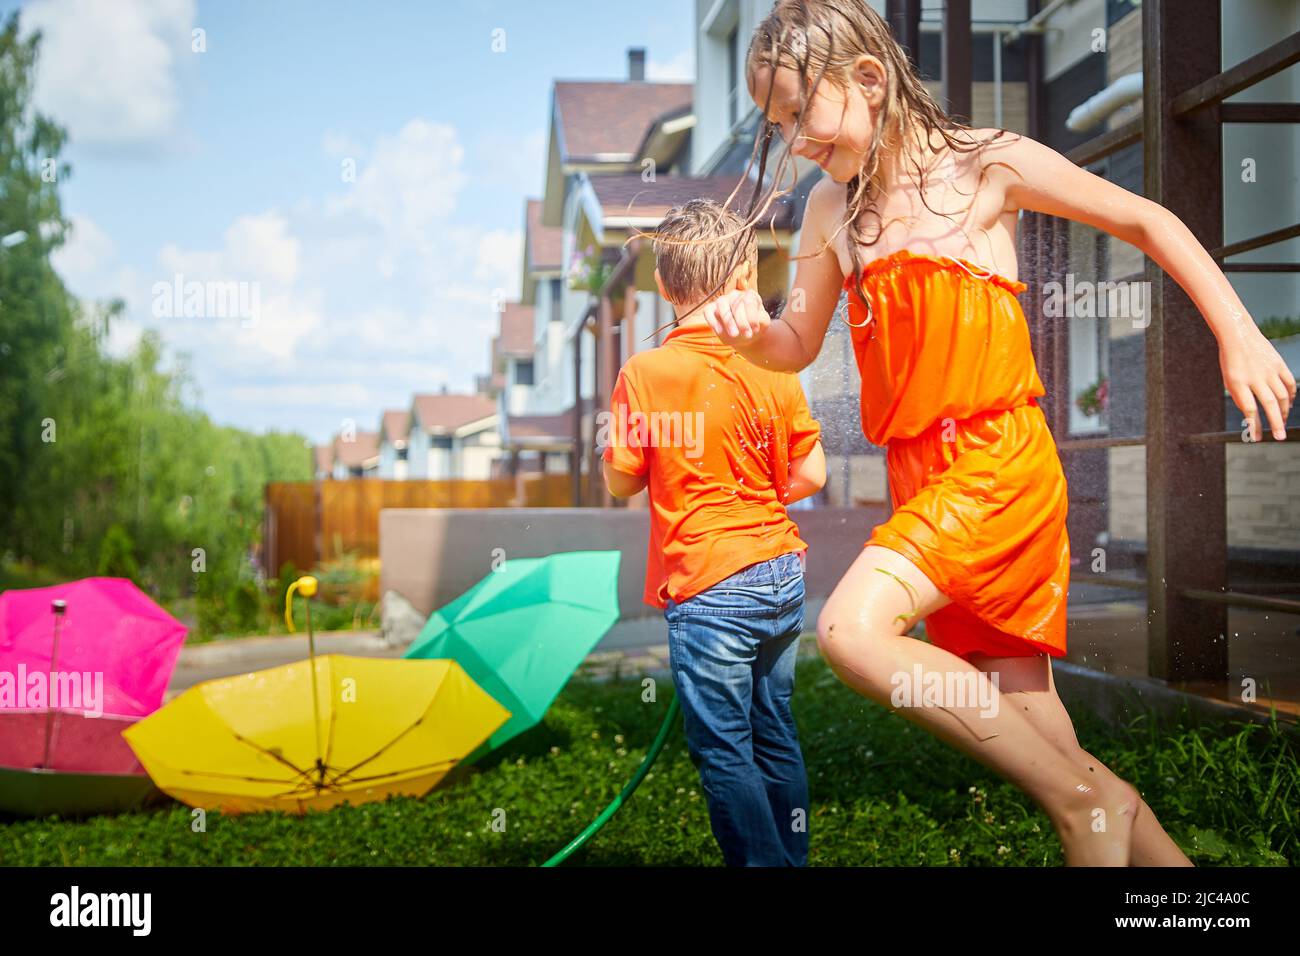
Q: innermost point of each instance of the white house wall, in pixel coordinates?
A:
(417, 452)
(1070, 38)
(475, 452)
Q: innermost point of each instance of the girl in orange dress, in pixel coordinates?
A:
(977, 544)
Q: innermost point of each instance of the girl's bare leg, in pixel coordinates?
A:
(861, 634)
(1027, 684)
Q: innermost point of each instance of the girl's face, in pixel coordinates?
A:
(837, 124)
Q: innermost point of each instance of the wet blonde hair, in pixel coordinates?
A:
(694, 251)
(821, 40)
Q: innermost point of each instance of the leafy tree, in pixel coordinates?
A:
(105, 466)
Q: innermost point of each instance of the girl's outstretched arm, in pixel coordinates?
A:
(791, 343)
(1045, 181)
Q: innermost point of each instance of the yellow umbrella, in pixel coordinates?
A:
(315, 733)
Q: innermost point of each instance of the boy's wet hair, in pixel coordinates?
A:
(698, 246)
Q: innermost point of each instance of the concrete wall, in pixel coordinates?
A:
(431, 556)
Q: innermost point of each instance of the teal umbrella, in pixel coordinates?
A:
(522, 631)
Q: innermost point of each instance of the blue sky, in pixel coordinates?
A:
(228, 165)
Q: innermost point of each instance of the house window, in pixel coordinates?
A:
(1088, 358)
(524, 372)
(441, 441)
(556, 300)
(733, 79)
(401, 453)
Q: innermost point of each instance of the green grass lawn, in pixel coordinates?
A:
(884, 793)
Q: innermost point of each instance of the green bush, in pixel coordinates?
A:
(246, 607)
(117, 555)
(1280, 326)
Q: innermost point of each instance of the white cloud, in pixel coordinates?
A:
(273, 318)
(123, 336)
(283, 321)
(680, 69)
(410, 182)
(107, 71)
(500, 257)
(89, 265)
(338, 396)
(84, 254)
(255, 247)
(261, 246)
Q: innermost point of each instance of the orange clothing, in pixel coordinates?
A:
(979, 496)
(717, 455)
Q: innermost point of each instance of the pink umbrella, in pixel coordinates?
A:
(79, 662)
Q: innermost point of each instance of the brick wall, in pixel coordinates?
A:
(1263, 495)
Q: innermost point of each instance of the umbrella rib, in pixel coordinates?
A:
(394, 773)
(329, 747)
(337, 783)
(270, 753)
(229, 776)
(380, 751)
(308, 787)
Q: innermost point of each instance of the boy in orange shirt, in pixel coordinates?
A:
(724, 447)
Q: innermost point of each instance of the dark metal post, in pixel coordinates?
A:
(904, 18)
(956, 44)
(1186, 514)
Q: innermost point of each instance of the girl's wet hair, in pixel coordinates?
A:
(821, 40)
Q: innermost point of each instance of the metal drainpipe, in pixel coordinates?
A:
(997, 78)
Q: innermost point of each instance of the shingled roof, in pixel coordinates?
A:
(534, 430)
(606, 121)
(359, 451)
(630, 195)
(516, 337)
(545, 244)
(395, 424)
(447, 412)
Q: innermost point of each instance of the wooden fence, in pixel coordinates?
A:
(308, 522)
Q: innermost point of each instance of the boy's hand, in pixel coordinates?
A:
(737, 317)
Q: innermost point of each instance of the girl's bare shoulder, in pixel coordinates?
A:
(1013, 159)
(994, 144)
(825, 206)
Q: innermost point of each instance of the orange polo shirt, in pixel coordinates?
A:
(716, 435)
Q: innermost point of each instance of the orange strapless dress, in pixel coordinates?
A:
(979, 496)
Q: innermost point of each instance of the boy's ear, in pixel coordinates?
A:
(745, 279)
(659, 283)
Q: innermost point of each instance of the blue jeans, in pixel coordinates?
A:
(732, 649)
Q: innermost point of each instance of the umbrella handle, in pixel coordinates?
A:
(305, 585)
(59, 608)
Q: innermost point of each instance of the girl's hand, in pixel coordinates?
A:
(1253, 369)
(737, 317)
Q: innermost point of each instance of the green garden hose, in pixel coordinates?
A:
(607, 814)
